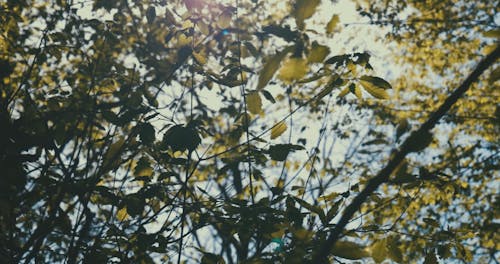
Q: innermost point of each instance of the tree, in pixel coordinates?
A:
(218, 131)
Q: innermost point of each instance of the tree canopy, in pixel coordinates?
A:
(249, 131)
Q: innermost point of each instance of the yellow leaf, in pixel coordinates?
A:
(254, 102)
(344, 92)
(122, 214)
(204, 28)
(304, 9)
(200, 57)
(113, 152)
(270, 67)
(495, 33)
(489, 49)
(293, 69)
(332, 24)
(349, 250)
(224, 20)
(318, 52)
(357, 92)
(278, 129)
(375, 86)
(379, 250)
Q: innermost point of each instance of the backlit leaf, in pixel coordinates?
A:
(379, 250)
(304, 9)
(270, 67)
(332, 24)
(121, 215)
(224, 20)
(375, 86)
(254, 102)
(278, 129)
(200, 57)
(349, 250)
(318, 52)
(293, 69)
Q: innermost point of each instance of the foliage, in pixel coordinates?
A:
(233, 132)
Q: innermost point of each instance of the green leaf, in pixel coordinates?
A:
(209, 258)
(146, 133)
(268, 96)
(333, 211)
(181, 138)
(431, 258)
(282, 32)
(312, 208)
(270, 67)
(349, 250)
(279, 152)
(151, 14)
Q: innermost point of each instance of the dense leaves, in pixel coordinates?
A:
(239, 132)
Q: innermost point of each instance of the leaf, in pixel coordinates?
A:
(209, 258)
(376, 81)
(181, 138)
(432, 222)
(318, 52)
(151, 14)
(199, 57)
(494, 76)
(121, 215)
(270, 67)
(304, 9)
(268, 96)
(379, 250)
(419, 140)
(224, 20)
(113, 151)
(349, 250)
(293, 69)
(282, 32)
(393, 250)
(254, 102)
(333, 211)
(278, 129)
(375, 86)
(146, 133)
(344, 91)
(279, 152)
(143, 168)
(431, 258)
(332, 24)
(312, 208)
(494, 33)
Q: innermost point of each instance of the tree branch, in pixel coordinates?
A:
(407, 147)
